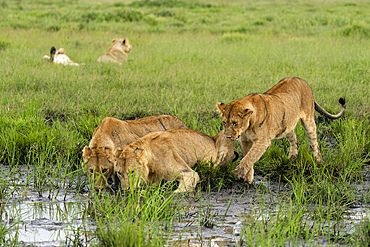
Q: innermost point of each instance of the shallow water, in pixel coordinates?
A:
(211, 219)
(42, 222)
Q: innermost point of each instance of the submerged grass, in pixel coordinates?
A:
(141, 217)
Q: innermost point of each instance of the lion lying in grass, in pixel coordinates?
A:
(117, 52)
(113, 133)
(170, 155)
(259, 118)
(59, 57)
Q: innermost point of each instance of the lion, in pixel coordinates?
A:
(170, 155)
(117, 52)
(59, 57)
(112, 133)
(259, 118)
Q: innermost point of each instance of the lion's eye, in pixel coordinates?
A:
(104, 170)
(235, 124)
(119, 174)
(223, 123)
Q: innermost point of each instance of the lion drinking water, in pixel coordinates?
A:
(170, 155)
(113, 133)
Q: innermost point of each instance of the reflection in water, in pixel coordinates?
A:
(56, 223)
(51, 223)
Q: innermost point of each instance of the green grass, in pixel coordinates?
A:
(187, 55)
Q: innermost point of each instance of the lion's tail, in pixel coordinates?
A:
(321, 110)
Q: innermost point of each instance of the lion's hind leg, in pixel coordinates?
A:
(293, 143)
(310, 126)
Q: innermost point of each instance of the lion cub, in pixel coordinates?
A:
(170, 155)
(112, 133)
(59, 57)
(259, 118)
(117, 52)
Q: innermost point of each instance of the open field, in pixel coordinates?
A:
(187, 55)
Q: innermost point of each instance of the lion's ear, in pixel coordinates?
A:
(86, 153)
(139, 152)
(247, 112)
(221, 107)
(109, 154)
(117, 152)
(113, 40)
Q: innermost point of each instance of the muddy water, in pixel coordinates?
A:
(210, 219)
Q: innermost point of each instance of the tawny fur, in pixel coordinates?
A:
(117, 52)
(170, 155)
(113, 133)
(59, 57)
(259, 118)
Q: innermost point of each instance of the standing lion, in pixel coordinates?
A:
(117, 52)
(256, 119)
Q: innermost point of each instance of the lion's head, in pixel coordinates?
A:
(121, 44)
(236, 118)
(99, 164)
(131, 166)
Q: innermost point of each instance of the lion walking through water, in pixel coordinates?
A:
(259, 118)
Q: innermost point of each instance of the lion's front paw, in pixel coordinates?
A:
(241, 171)
(250, 176)
(244, 173)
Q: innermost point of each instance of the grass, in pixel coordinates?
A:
(187, 55)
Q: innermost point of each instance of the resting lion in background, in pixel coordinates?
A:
(259, 118)
(117, 52)
(170, 155)
(59, 57)
(113, 133)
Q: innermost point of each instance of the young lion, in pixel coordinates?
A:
(259, 118)
(170, 155)
(59, 57)
(112, 133)
(117, 52)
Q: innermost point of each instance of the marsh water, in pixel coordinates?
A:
(213, 219)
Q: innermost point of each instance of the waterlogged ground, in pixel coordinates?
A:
(222, 215)
(45, 216)
(42, 222)
(59, 217)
